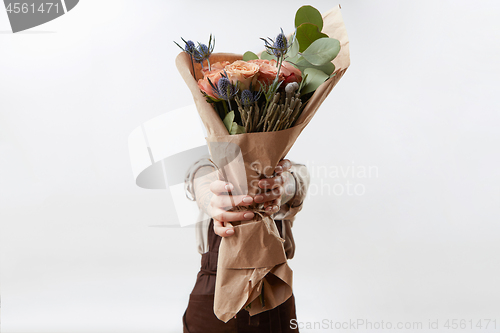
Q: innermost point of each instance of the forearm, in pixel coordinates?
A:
(203, 178)
(289, 187)
(300, 176)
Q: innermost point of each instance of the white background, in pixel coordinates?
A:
(83, 249)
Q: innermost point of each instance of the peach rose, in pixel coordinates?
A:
(214, 75)
(243, 72)
(267, 70)
(218, 65)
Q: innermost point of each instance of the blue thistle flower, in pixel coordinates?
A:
(203, 51)
(189, 47)
(248, 97)
(225, 89)
(278, 47)
(200, 53)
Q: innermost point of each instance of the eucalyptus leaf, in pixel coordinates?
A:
(267, 56)
(322, 51)
(314, 79)
(308, 14)
(307, 33)
(302, 64)
(249, 55)
(294, 48)
(234, 128)
(228, 121)
(293, 59)
(237, 129)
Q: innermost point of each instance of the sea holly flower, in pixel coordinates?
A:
(278, 47)
(224, 89)
(249, 97)
(189, 47)
(200, 53)
(203, 52)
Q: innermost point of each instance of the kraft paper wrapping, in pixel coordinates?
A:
(253, 259)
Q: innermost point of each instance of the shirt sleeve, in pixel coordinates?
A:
(295, 204)
(201, 227)
(190, 176)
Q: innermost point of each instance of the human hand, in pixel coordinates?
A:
(221, 202)
(274, 188)
(271, 196)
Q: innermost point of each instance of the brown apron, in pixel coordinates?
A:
(199, 315)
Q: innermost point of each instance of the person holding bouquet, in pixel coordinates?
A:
(254, 107)
(282, 196)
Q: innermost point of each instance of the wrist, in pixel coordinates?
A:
(289, 186)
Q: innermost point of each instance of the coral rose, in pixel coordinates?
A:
(218, 65)
(267, 70)
(214, 75)
(243, 72)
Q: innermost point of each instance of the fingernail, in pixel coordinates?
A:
(229, 187)
(259, 198)
(229, 231)
(248, 215)
(279, 169)
(247, 200)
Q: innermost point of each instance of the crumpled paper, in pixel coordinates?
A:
(253, 260)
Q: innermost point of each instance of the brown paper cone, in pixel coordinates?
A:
(254, 258)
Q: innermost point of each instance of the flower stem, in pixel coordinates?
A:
(192, 64)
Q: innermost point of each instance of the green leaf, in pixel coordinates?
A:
(294, 59)
(314, 79)
(267, 56)
(249, 56)
(231, 126)
(308, 14)
(228, 121)
(237, 129)
(307, 33)
(322, 51)
(302, 64)
(294, 48)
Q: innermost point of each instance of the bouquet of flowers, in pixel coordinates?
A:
(254, 108)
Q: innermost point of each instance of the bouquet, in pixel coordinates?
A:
(254, 108)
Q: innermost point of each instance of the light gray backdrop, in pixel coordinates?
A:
(83, 249)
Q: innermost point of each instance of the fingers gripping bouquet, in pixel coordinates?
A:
(254, 108)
